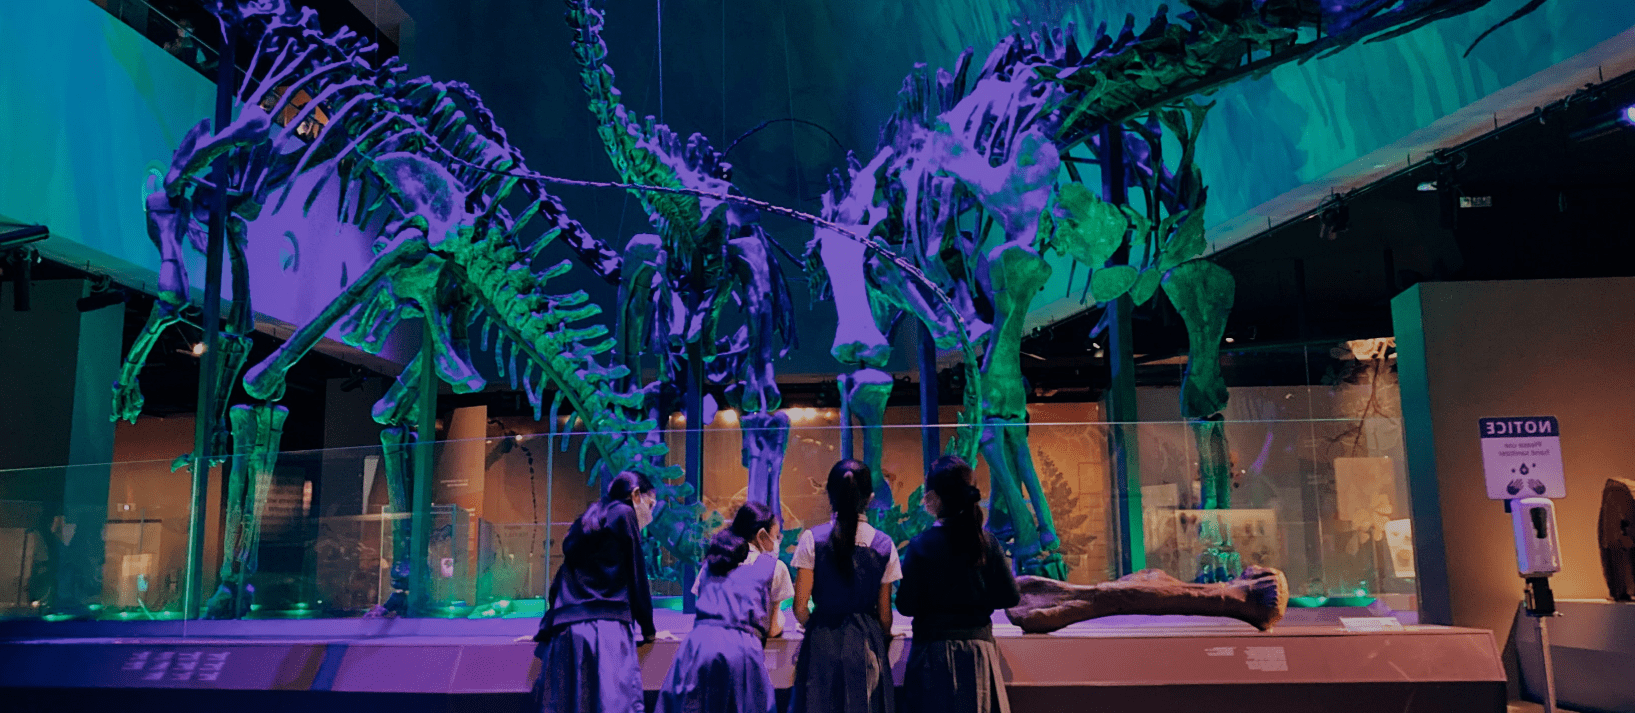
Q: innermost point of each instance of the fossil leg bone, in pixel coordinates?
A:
(257, 431)
(1259, 597)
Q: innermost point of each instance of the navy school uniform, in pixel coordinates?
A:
(843, 665)
(953, 665)
(587, 647)
(721, 667)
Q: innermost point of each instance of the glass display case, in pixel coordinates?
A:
(1317, 489)
(1323, 499)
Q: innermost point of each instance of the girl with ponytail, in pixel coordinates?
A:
(954, 576)
(721, 667)
(845, 568)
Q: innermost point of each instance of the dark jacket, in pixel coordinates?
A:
(948, 596)
(602, 575)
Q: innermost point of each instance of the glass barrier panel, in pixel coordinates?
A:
(1310, 480)
(146, 535)
(25, 558)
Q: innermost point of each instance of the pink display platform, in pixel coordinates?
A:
(1114, 664)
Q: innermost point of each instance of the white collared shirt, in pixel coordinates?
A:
(806, 550)
(783, 586)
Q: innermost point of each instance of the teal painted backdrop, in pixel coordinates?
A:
(87, 108)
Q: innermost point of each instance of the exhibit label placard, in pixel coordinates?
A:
(1521, 457)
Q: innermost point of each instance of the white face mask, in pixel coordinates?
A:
(644, 509)
(765, 541)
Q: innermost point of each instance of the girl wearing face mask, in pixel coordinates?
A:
(587, 645)
(954, 577)
(721, 668)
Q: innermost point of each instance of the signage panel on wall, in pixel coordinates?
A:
(1521, 457)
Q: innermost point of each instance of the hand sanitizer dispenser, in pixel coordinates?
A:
(1538, 554)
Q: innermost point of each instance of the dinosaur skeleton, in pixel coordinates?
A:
(966, 184)
(417, 166)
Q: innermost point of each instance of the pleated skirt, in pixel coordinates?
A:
(718, 670)
(589, 667)
(843, 668)
(955, 676)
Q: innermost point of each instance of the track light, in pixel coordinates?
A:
(1335, 218)
(1447, 165)
(354, 381)
(103, 294)
(22, 278)
(99, 300)
(23, 236)
(1606, 123)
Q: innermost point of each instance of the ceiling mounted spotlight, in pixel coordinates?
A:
(1334, 217)
(103, 294)
(355, 379)
(21, 261)
(99, 300)
(1447, 165)
(1605, 123)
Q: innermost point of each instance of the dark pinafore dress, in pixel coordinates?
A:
(721, 667)
(844, 665)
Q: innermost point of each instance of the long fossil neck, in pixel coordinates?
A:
(627, 141)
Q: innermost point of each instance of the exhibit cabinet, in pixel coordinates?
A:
(1316, 487)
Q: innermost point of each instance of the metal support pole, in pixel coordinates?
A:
(1549, 666)
(1540, 604)
(930, 418)
(1120, 401)
(204, 423)
(550, 490)
(693, 406)
(695, 454)
(425, 438)
(847, 441)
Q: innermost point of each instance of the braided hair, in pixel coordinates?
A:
(730, 547)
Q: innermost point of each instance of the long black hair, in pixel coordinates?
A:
(850, 486)
(955, 485)
(624, 488)
(730, 547)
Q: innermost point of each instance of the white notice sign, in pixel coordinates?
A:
(1522, 457)
(1266, 658)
